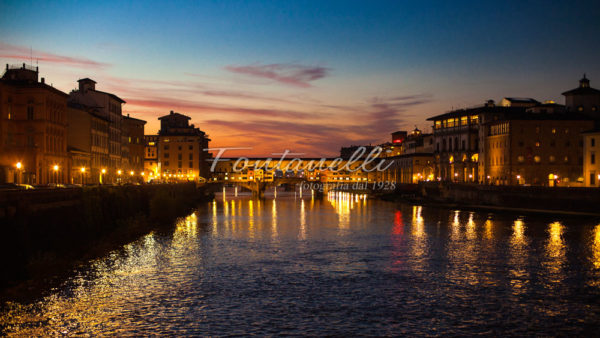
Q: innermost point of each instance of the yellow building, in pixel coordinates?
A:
(591, 162)
(182, 149)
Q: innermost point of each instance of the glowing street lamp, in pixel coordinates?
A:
(131, 173)
(55, 168)
(119, 172)
(18, 173)
(82, 173)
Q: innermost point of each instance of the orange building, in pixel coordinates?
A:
(33, 136)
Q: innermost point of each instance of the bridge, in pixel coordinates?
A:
(258, 187)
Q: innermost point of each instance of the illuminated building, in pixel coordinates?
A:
(32, 128)
(414, 163)
(456, 142)
(541, 146)
(108, 106)
(151, 157)
(591, 162)
(133, 129)
(87, 143)
(182, 149)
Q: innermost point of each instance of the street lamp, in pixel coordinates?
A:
(19, 166)
(102, 172)
(82, 173)
(55, 168)
(119, 173)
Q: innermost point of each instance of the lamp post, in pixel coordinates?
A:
(119, 172)
(55, 168)
(19, 166)
(102, 172)
(82, 173)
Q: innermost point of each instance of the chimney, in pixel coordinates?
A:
(43, 80)
(490, 103)
(7, 66)
(171, 112)
(23, 65)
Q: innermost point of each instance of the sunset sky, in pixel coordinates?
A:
(308, 76)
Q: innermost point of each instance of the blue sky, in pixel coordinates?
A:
(308, 76)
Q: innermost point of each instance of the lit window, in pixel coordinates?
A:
(537, 159)
(537, 144)
(521, 158)
(552, 159)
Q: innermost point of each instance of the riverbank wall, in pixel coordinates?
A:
(50, 229)
(526, 198)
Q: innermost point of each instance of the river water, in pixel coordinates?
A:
(339, 265)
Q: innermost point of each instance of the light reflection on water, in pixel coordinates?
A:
(341, 265)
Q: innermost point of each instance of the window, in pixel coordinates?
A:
(552, 159)
(464, 145)
(521, 158)
(179, 156)
(521, 143)
(552, 143)
(179, 148)
(30, 113)
(166, 163)
(537, 159)
(592, 158)
(191, 147)
(580, 108)
(166, 147)
(593, 142)
(191, 164)
(191, 157)
(567, 143)
(592, 178)
(179, 164)
(566, 159)
(166, 155)
(553, 130)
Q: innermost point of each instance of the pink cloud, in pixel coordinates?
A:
(289, 74)
(23, 53)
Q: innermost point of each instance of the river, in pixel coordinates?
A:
(340, 265)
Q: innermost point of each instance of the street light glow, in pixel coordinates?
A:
(55, 168)
(19, 165)
(104, 171)
(82, 169)
(119, 172)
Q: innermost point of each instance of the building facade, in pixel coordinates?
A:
(591, 163)
(182, 149)
(109, 107)
(33, 129)
(133, 129)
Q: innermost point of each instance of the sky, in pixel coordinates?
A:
(306, 76)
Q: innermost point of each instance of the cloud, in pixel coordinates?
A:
(196, 107)
(289, 74)
(23, 53)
